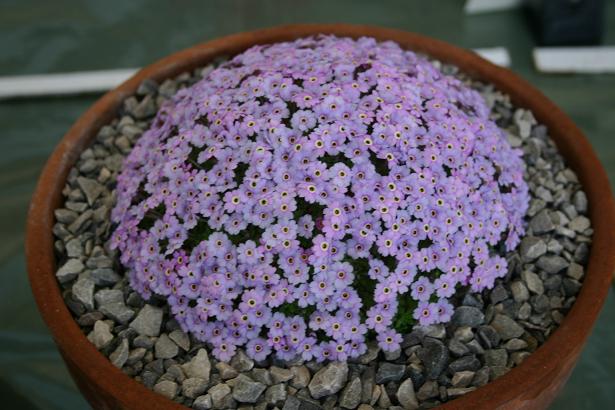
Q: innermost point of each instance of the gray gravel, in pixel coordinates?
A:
(489, 333)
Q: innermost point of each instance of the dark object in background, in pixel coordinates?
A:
(567, 22)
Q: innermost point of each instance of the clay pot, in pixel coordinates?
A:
(533, 384)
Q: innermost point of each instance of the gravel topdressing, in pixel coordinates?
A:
(488, 335)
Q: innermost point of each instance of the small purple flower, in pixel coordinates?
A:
(224, 351)
(422, 289)
(389, 341)
(258, 349)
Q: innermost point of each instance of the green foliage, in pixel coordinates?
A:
(363, 284)
(196, 235)
(331, 160)
(403, 321)
(250, 233)
(240, 172)
(151, 217)
(293, 309)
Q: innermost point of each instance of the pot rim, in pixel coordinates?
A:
(555, 356)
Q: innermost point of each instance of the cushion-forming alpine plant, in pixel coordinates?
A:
(307, 196)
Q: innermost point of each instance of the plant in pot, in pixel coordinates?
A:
(323, 220)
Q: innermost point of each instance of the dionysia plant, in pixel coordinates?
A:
(307, 196)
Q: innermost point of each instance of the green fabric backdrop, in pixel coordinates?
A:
(64, 35)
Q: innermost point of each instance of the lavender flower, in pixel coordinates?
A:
(306, 192)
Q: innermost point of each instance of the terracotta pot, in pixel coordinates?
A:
(533, 384)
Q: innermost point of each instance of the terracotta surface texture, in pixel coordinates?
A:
(531, 385)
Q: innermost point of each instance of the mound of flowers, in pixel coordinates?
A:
(307, 196)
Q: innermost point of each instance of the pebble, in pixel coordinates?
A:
(544, 194)
(519, 357)
(100, 261)
(261, 375)
(552, 263)
(506, 327)
(241, 362)
(498, 294)
(581, 253)
(107, 296)
(226, 371)
(406, 396)
(83, 291)
(533, 282)
(541, 223)
(181, 339)
(384, 401)
(292, 403)
(434, 356)
(468, 316)
(280, 375)
(144, 341)
(247, 390)
(165, 348)
(481, 377)
(276, 395)
(88, 319)
(579, 224)
(81, 222)
(199, 366)
(524, 311)
(218, 394)
(579, 200)
(74, 249)
(428, 390)
(555, 247)
(524, 120)
(351, 394)
(145, 108)
(193, 387)
(391, 356)
(368, 383)
(117, 311)
(437, 331)
(372, 353)
(136, 355)
(515, 344)
(91, 188)
(575, 271)
(464, 334)
(519, 291)
(475, 347)
(105, 277)
(463, 378)
(531, 248)
(495, 357)
(464, 363)
(69, 270)
(388, 372)
(148, 321)
(65, 216)
(457, 348)
(453, 392)
(168, 88)
(120, 354)
(329, 380)
(202, 402)
(166, 388)
(301, 377)
(147, 86)
(101, 335)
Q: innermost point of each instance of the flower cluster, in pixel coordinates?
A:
(307, 195)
